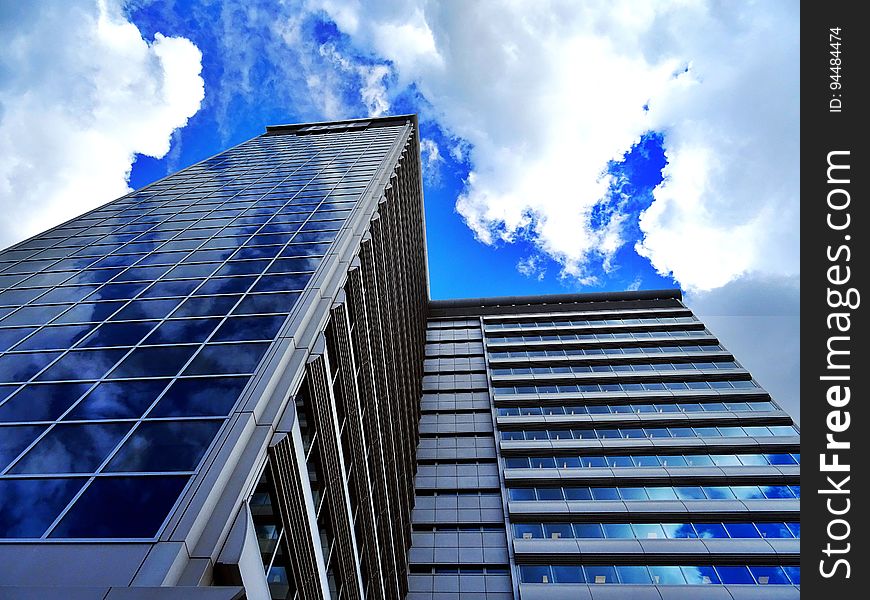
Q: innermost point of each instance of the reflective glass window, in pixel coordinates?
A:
(630, 574)
(206, 306)
(14, 439)
(600, 574)
(21, 367)
(157, 446)
(200, 397)
(736, 575)
(118, 334)
(568, 574)
(118, 400)
(41, 402)
(79, 448)
(29, 506)
(121, 507)
(700, 575)
(227, 358)
(667, 575)
(55, 337)
(182, 331)
(153, 362)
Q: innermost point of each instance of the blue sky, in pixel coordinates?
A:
(566, 147)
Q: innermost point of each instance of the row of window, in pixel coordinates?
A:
(646, 386)
(616, 351)
(633, 368)
(683, 492)
(626, 409)
(587, 322)
(631, 433)
(118, 400)
(146, 333)
(661, 575)
(601, 336)
(138, 310)
(657, 531)
(651, 460)
(122, 363)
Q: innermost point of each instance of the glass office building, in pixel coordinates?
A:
(232, 384)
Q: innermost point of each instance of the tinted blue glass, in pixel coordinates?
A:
(118, 400)
(588, 530)
(634, 574)
(82, 364)
(618, 531)
(20, 297)
(282, 283)
(93, 276)
(535, 574)
(34, 315)
(121, 507)
(182, 331)
(242, 267)
(118, 291)
(29, 506)
(734, 575)
(43, 402)
(294, 265)
(794, 574)
(633, 493)
(568, 574)
(225, 285)
(14, 439)
(89, 312)
(311, 249)
(186, 271)
(689, 493)
(10, 337)
(146, 309)
(227, 358)
(600, 574)
(528, 530)
(57, 337)
(661, 493)
(154, 362)
(700, 575)
(667, 575)
(710, 530)
(142, 273)
(172, 288)
(773, 530)
(522, 493)
(165, 446)
(249, 252)
(118, 334)
(605, 493)
(72, 448)
(21, 367)
(795, 528)
(66, 294)
(549, 493)
(200, 397)
(206, 306)
(741, 530)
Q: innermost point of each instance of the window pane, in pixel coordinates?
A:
(118, 400)
(568, 574)
(154, 362)
(769, 575)
(15, 439)
(741, 530)
(634, 574)
(588, 530)
(227, 358)
(200, 397)
(667, 575)
(118, 334)
(54, 338)
(700, 575)
(182, 331)
(165, 446)
(21, 367)
(72, 448)
(528, 530)
(29, 506)
(121, 507)
(600, 574)
(534, 574)
(43, 402)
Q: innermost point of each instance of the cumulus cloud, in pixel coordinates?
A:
(532, 267)
(82, 93)
(547, 94)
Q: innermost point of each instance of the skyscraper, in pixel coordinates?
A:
(231, 383)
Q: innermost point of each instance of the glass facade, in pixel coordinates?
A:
(602, 441)
(128, 334)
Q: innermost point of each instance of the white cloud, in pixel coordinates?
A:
(82, 94)
(532, 267)
(431, 159)
(546, 93)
